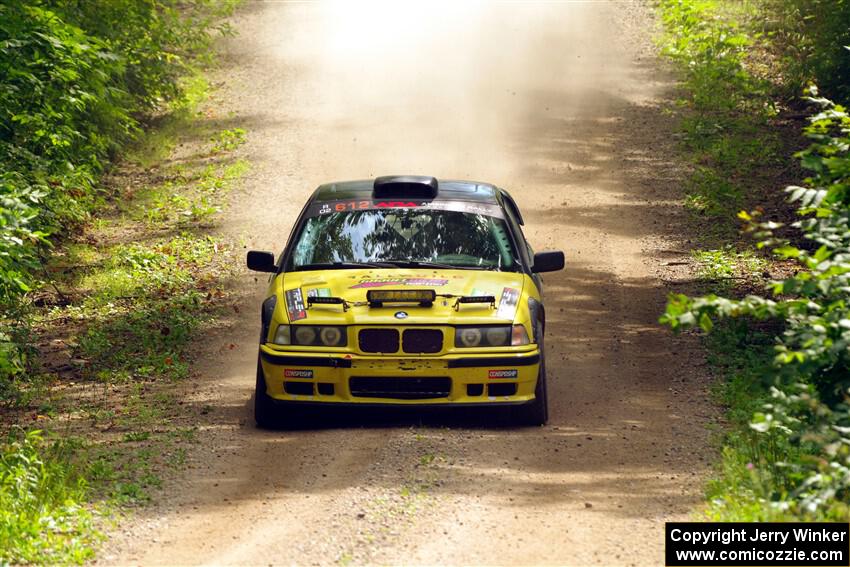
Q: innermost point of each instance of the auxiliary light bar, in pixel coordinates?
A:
(327, 301)
(424, 297)
(475, 299)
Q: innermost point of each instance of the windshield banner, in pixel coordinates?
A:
(327, 207)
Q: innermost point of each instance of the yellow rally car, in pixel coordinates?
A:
(404, 291)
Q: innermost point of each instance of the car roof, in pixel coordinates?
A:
(448, 189)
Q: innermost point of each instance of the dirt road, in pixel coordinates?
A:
(561, 104)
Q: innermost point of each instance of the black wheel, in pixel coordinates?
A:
(265, 413)
(537, 411)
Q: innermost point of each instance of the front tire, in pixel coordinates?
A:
(265, 412)
(536, 412)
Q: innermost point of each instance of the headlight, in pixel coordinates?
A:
(519, 336)
(314, 335)
(330, 336)
(490, 336)
(281, 336)
(468, 337)
(497, 335)
(304, 335)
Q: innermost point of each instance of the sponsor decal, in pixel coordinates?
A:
(291, 373)
(295, 304)
(365, 205)
(507, 304)
(319, 292)
(502, 373)
(383, 282)
(328, 207)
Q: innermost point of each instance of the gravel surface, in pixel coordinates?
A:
(561, 103)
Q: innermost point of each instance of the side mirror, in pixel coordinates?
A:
(261, 261)
(548, 262)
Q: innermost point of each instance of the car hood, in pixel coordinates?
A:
(352, 285)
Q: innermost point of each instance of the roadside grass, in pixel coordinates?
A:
(727, 114)
(738, 143)
(725, 268)
(44, 512)
(161, 133)
(739, 352)
(112, 327)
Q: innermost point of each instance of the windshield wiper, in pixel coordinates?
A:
(345, 265)
(418, 264)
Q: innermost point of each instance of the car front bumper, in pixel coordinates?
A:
(480, 379)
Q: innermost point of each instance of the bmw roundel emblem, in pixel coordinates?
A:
(401, 315)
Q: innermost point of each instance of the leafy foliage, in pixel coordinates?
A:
(712, 50)
(78, 81)
(42, 514)
(59, 114)
(144, 305)
(76, 74)
(725, 126)
(812, 356)
(812, 36)
(723, 265)
(155, 39)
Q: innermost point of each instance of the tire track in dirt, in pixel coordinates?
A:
(562, 105)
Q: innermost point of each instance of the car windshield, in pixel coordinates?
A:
(405, 238)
